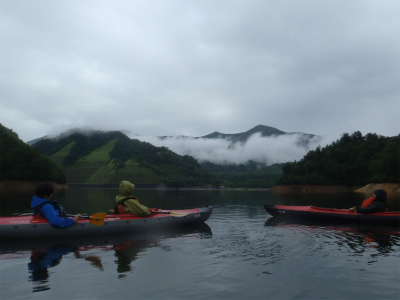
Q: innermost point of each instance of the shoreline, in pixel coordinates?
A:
(390, 188)
(29, 184)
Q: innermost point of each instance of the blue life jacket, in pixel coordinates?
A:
(38, 209)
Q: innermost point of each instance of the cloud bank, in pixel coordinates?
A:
(263, 150)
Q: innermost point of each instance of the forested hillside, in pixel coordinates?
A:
(99, 157)
(18, 161)
(249, 175)
(352, 160)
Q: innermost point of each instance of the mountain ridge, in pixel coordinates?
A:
(257, 147)
(243, 136)
(104, 157)
(265, 131)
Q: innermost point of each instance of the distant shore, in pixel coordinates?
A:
(29, 184)
(391, 188)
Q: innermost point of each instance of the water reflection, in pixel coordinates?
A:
(126, 253)
(41, 261)
(45, 255)
(357, 237)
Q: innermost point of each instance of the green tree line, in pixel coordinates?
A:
(18, 161)
(354, 159)
(249, 175)
(177, 170)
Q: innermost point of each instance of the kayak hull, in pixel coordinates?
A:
(332, 214)
(28, 227)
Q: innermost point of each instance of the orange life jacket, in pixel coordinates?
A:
(367, 202)
(120, 209)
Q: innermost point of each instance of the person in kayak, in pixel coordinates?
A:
(376, 203)
(126, 203)
(44, 207)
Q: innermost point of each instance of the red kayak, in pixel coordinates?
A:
(23, 227)
(332, 214)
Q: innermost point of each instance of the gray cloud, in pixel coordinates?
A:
(171, 67)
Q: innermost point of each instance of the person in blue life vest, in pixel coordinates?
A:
(377, 203)
(126, 203)
(44, 207)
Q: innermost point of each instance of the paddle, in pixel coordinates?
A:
(172, 213)
(95, 219)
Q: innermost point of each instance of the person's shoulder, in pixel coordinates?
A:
(131, 199)
(37, 200)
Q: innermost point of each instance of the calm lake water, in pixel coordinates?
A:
(240, 253)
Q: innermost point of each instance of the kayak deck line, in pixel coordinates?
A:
(332, 214)
(312, 208)
(30, 218)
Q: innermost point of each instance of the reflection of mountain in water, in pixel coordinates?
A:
(47, 254)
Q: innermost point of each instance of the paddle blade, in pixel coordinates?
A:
(97, 219)
(172, 213)
(178, 214)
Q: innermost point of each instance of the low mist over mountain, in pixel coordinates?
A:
(250, 158)
(262, 145)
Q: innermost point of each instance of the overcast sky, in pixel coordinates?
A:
(191, 67)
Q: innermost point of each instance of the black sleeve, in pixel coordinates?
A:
(374, 207)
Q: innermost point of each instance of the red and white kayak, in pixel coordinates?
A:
(332, 214)
(24, 227)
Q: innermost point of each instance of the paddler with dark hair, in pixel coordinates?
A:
(43, 206)
(376, 203)
(126, 203)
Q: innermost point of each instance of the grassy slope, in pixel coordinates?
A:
(132, 171)
(60, 155)
(96, 168)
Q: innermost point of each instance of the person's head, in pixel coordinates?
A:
(380, 195)
(126, 188)
(44, 190)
